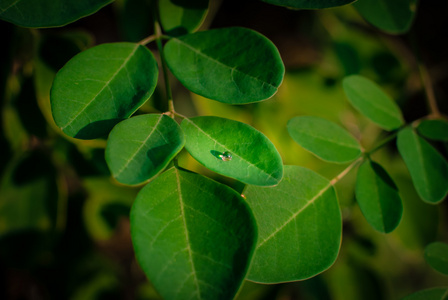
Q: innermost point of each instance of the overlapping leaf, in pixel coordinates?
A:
(428, 294)
(192, 236)
(299, 224)
(372, 102)
(180, 17)
(232, 65)
(436, 255)
(323, 138)
(141, 147)
(309, 4)
(252, 159)
(102, 86)
(434, 129)
(378, 197)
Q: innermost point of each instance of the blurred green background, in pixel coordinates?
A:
(64, 226)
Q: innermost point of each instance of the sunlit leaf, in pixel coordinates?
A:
(100, 87)
(309, 4)
(299, 224)
(391, 16)
(192, 236)
(428, 294)
(47, 13)
(436, 255)
(434, 129)
(224, 64)
(179, 17)
(428, 169)
(233, 149)
(378, 197)
(141, 147)
(372, 102)
(323, 138)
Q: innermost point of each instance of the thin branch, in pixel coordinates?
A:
(147, 40)
(346, 170)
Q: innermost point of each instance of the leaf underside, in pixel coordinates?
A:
(436, 255)
(179, 17)
(434, 129)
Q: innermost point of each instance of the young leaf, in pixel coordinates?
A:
(48, 13)
(141, 147)
(192, 236)
(233, 149)
(323, 138)
(429, 170)
(307, 4)
(299, 224)
(179, 17)
(231, 65)
(436, 255)
(428, 294)
(434, 129)
(391, 16)
(372, 102)
(100, 87)
(378, 197)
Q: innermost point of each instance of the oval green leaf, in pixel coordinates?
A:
(378, 197)
(192, 236)
(391, 16)
(233, 149)
(323, 138)
(372, 102)
(179, 17)
(48, 13)
(224, 64)
(428, 169)
(102, 86)
(436, 255)
(428, 294)
(307, 4)
(434, 129)
(299, 225)
(141, 147)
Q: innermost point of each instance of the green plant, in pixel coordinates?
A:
(194, 237)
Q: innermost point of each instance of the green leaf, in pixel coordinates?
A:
(48, 13)
(428, 169)
(192, 236)
(378, 197)
(323, 138)
(224, 64)
(391, 16)
(179, 17)
(100, 87)
(141, 147)
(309, 4)
(299, 224)
(372, 102)
(253, 158)
(434, 129)
(428, 294)
(436, 255)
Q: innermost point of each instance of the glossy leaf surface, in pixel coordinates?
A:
(299, 225)
(179, 17)
(391, 16)
(372, 102)
(47, 13)
(436, 255)
(434, 129)
(231, 65)
(309, 4)
(378, 197)
(253, 158)
(323, 138)
(141, 147)
(428, 169)
(192, 236)
(428, 294)
(102, 86)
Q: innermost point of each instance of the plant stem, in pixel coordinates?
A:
(147, 40)
(382, 143)
(169, 95)
(346, 170)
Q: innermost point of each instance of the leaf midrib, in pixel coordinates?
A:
(11, 5)
(336, 142)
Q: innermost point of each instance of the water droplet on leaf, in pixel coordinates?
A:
(226, 156)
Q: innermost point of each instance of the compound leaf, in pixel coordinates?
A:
(179, 17)
(192, 236)
(428, 169)
(102, 86)
(434, 129)
(323, 138)
(372, 102)
(233, 149)
(48, 13)
(428, 294)
(378, 197)
(299, 224)
(436, 255)
(224, 64)
(141, 147)
(309, 4)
